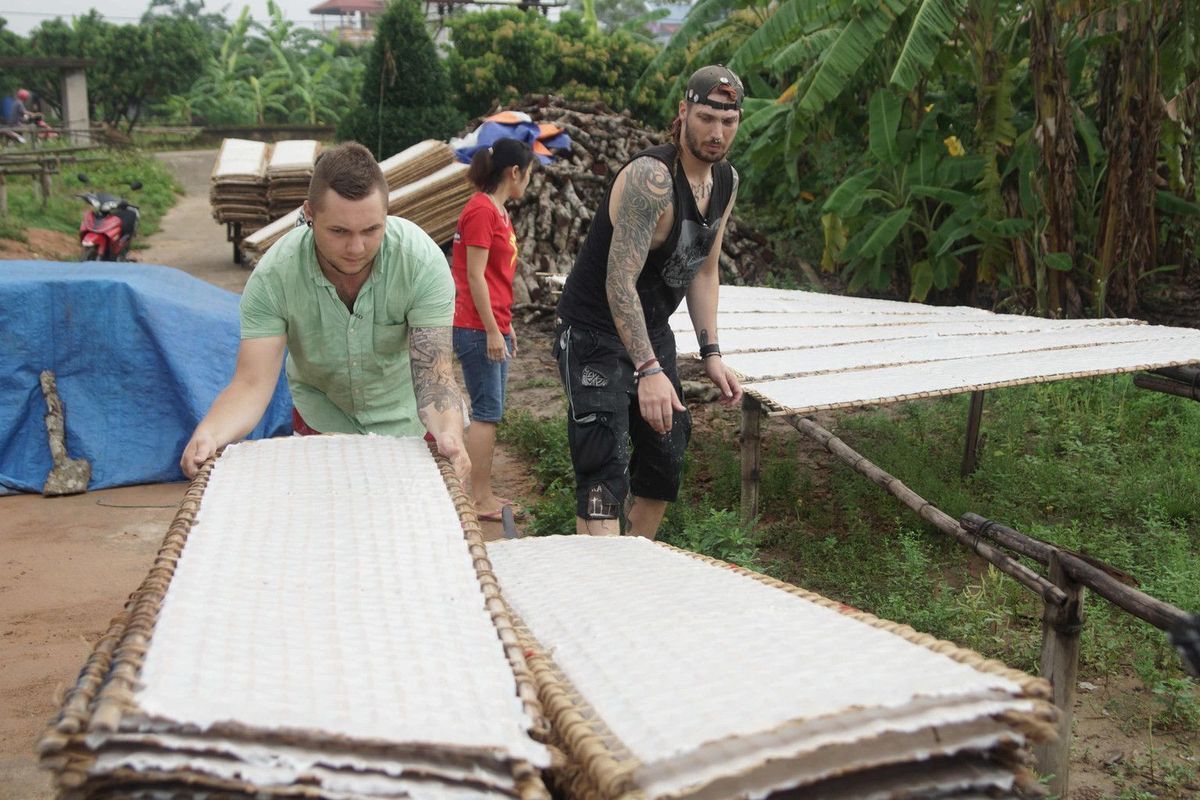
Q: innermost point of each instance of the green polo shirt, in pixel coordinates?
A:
(349, 372)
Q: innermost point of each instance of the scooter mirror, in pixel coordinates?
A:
(83, 178)
(135, 185)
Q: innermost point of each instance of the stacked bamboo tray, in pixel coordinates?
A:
(669, 675)
(321, 622)
(288, 174)
(238, 190)
(435, 201)
(406, 167)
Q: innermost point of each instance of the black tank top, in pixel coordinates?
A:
(669, 268)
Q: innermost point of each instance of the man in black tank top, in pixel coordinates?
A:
(655, 239)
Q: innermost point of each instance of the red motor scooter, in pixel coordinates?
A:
(108, 226)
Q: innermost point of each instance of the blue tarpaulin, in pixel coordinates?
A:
(544, 138)
(139, 351)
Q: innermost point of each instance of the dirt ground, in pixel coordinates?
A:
(67, 564)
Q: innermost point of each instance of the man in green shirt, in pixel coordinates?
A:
(362, 303)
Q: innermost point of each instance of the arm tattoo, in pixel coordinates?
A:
(702, 337)
(433, 383)
(647, 194)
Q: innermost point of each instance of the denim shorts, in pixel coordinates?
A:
(486, 380)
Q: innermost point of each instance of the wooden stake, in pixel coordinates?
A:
(1060, 663)
(45, 176)
(751, 456)
(974, 418)
(3, 195)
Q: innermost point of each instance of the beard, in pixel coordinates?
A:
(696, 147)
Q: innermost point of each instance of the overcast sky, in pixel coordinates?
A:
(24, 15)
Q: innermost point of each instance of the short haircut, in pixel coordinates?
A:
(350, 170)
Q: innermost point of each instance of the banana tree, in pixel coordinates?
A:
(913, 208)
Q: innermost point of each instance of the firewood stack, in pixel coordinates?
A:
(238, 192)
(553, 218)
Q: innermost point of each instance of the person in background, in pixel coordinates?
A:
(655, 239)
(484, 265)
(18, 111)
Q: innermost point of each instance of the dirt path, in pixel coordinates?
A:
(189, 238)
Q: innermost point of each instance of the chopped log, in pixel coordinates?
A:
(1156, 383)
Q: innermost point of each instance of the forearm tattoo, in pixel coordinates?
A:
(433, 381)
(647, 194)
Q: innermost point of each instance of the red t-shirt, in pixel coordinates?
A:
(482, 225)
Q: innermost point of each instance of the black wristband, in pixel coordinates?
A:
(707, 350)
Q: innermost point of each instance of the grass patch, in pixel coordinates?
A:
(64, 209)
(1093, 465)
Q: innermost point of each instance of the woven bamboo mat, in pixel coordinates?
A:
(435, 201)
(665, 674)
(760, 366)
(241, 160)
(293, 157)
(802, 352)
(322, 621)
(816, 332)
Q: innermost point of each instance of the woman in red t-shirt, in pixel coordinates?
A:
(484, 265)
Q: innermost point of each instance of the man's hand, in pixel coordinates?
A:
(450, 444)
(497, 350)
(724, 379)
(512, 334)
(658, 402)
(201, 448)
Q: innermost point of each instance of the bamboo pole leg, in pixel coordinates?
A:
(1061, 626)
(974, 420)
(751, 456)
(3, 196)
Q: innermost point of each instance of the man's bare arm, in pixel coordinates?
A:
(433, 381)
(646, 195)
(241, 404)
(439, 404)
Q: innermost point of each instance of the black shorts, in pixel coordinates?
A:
(603, 419)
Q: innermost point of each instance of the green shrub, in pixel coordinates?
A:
(405, 94)
(500, 56)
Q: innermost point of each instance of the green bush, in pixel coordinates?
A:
(405, 94)
(500, 56)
